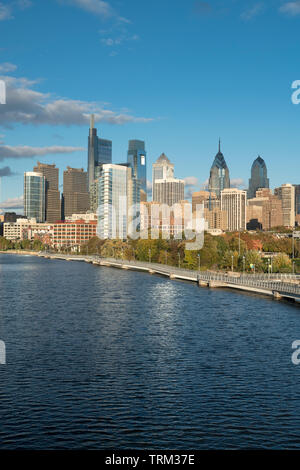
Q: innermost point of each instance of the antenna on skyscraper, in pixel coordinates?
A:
(92, 121)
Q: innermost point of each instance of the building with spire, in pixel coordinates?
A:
(219, 174)
(259, 177)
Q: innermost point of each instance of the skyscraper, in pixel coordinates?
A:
(99, 153)
(286, 193)
(34, 196)
(136, 157)
(161, 170)
(119, 198)
(166, 189)
(52, 204)
(219, 174)
(297, 202)
(233, 201)
(259, 177)
(75, 195)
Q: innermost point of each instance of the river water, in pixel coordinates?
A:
(100, 358)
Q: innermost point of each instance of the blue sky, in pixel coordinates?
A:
(177, 74)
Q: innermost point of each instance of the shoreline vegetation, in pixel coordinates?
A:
(260, 252)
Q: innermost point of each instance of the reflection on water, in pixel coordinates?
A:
(104, 358)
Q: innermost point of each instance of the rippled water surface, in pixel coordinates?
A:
(103, 358)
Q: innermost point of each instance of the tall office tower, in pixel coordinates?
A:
(34, 196)
(137, 159)
(118, 192)
(264, 211)
(166, 189)
(99, 153)
(219, 174)
(52, 205)
(169, 191)
(75, 195)
(233, 201)
(162, 169)
(259, 177)
(297, 202)
(286, 193)
(208, 199)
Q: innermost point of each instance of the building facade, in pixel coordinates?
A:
(99, 153)
(169, 191)
(259, 177)
(137, 159)
(52, 194)
(286, 193)
(233, 201)
(75, 194)
(119, 202)
(219, 178)
(34, 196)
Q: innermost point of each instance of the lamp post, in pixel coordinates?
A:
(244, 261)
(232, 263)
(199, 261)
(149, 255)
(179, 260)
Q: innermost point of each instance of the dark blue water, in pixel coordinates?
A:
(99, 358)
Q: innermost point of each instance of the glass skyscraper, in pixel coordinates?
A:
(136, 157)
(99, 153)
(259, 177)
(219, 174)
(118, 203)
(34, 196)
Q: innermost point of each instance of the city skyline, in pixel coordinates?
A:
(181, 111)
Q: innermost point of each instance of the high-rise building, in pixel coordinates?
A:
(169, 191)
(162, 169)
(52, 204)
(99, 153)
(219, 174)
(233, 201)
(216, 219)
(286, 193)
(75, 195)
(208, 199)
(137, 159)
(259, 177)
(264, 211)
(34, 196)
(119, 200)
(166, 189)
(297, 202)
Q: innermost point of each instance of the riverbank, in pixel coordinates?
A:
(278, 286)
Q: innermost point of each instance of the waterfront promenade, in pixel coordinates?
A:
(278, 286)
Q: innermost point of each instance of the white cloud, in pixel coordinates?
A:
(191, 182)
(237, 183)
(13, 203)
(5, 12)
(7, 67)
(8, 151)
(291, 8)
(97, 7)
(250, 13)
(26, 106)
